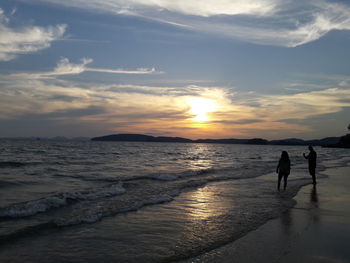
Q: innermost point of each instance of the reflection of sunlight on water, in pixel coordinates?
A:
(202, 206)
(202, 164)
(205, 211)
(200, 156)
(206, 202)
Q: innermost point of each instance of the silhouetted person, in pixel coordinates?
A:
(311, 157)
(283, 169)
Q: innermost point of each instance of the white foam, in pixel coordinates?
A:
(96, 193)
(44, 204)
(97, 215)
(32, 207)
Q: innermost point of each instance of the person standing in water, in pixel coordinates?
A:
(311, 157)
(283, 169)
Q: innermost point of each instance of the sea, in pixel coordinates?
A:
(90, 201)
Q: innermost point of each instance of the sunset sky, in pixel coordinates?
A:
(197, 69)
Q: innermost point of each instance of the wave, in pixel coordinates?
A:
(97, 215)
(86, 212)
(41, 205)
(169, 176)
(176, 176)
(143, 193)
(136, 195)
(183, 180)
(209, 174)
(11, 164)
(83, 218)
(152, 176)
(129, 203)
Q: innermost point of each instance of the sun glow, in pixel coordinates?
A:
(200, 107)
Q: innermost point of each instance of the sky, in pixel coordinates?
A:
(268, 69)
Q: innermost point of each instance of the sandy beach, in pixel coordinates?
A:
(316, 229)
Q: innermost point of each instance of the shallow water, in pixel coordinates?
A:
(138, 202)
(316, 229)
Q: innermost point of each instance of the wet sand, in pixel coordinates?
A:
(316, 229)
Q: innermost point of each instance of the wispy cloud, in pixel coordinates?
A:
(205, 8)
(208, 8)
(344, 84)
(313, 82)
(65, 67)
(125, 71)
(268, 22)
(24, 40)
(301, 105)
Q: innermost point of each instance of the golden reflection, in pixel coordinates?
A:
(205, 203)
(199, 156)
(201, 164)
(202, 205)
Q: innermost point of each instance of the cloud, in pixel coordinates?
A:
(205, 8)
(326, 17)
(302, 25)
(141, 108)
(28, 39)
(344, 83)
(65, 67)
(302, 105)
(124, 71)
(269, 22)
(308, 82)
(208, 8)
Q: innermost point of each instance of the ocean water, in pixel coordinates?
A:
(139, 202)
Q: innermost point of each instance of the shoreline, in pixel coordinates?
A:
(316, 229)
(200, 220)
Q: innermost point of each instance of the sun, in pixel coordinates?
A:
(200, 107)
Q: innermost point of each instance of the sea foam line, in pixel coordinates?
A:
(41, 205)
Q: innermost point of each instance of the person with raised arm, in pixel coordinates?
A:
(311, 157)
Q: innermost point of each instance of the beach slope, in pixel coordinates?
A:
(317, 229)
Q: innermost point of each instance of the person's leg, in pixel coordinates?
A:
(285, 177)
(312, 171)
(279, 181)
(314, 177)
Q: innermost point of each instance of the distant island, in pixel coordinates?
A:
(329, 141)
(57, 138)
(333, 142)
(344, 142)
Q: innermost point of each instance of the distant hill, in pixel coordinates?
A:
(225, 141)
(139, 138)
(256, 141)
(294, 141)
(57, 138)
(343, 142)
(291, 141)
